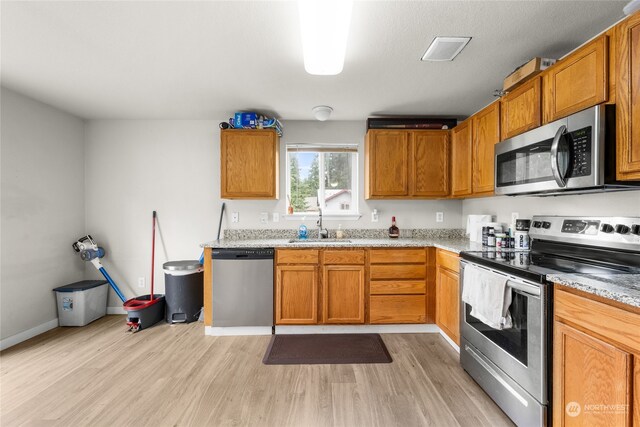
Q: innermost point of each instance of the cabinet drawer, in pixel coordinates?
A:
(393, 256)
(402, 271)
(448, 260)
(392, 287)
(397, 309)
(614, 323)
(333, 257)
(297, 256)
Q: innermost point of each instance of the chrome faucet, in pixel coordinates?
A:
(323, 233)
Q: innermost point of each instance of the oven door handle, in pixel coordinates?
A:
(496, 376)
(555, 165)
(512, 282)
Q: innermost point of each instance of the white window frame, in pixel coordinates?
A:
(353, 213)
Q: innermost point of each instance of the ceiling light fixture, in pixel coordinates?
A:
(445, 48)
(324, 26)
(632, 7)
(322, 112)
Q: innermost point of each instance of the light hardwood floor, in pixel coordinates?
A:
(100, 375)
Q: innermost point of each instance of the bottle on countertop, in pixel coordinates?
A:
(302, 232)
(491, 238)
(394, 232)
(339, 232)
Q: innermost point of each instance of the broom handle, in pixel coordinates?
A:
(153, 253)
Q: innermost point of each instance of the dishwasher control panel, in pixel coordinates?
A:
(243, 253)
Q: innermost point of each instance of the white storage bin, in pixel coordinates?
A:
(82, 302)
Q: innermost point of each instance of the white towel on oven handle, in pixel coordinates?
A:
(488, 295)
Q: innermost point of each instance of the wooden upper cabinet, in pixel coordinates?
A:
(343, 294)
(521, 108)
(579, 81)
(406, 164)
(628, 98)
(249, 162)
(461, 159)
(387, 164)
(429, 163)
(486, 133)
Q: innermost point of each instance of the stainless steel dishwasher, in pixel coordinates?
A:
(242, 287)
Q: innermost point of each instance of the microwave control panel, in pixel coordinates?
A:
(580, 148)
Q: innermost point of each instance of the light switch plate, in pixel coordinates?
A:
(374, 215)
(514, 216)
(275, 217)
(264, 217)
(235, 217)
(439, 216)
(141, 282)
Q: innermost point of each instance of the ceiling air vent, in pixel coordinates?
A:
(445, 48)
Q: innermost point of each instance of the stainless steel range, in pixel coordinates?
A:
(513, 365)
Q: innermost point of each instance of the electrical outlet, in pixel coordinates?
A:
(235, 217)
(514, 216)
(374, 215)
(264, 217)
(142, 282)
(275, 217)
(439, 216)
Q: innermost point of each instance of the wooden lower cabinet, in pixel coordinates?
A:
(448, 294)
(296, 295)
(448, 303)
(343, 294)
(398, 285)
(596, 370)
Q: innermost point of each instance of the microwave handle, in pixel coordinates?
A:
(555, 166)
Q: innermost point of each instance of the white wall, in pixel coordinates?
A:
(42, 212)
(172, 166)
(602, 204)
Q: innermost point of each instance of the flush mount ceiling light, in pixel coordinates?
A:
(324, 26)
(445, 48)
(631, 7)
(322, 112)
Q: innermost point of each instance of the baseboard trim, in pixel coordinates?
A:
(237, 330)
(355, 329)
(450, 341)
(116, 310)
(30, 333)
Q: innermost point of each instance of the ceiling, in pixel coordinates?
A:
(205, 60)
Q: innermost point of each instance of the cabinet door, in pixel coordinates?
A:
(628, 99)
(249, 164)
(430, 163)
(448, 303)
(461, 159)
(486, 133)
(579, 81)
(591, 380)
(343, 294)
(521, 109)
(387, 164)
(296, 295)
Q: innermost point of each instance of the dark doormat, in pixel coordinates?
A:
(326, 349)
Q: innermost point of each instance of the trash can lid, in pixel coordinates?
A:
(182, 265)
(82, 285)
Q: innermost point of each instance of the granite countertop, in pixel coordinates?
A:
(620, 287)
(453, 244)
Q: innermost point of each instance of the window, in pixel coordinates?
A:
(324, 176)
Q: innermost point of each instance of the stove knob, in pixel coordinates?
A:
(536, 224)
(635, 229)
(606, 228)
(546, 224)
(622, 229)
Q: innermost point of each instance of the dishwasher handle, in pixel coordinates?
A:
(242, 253)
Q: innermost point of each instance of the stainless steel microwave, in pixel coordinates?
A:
(572, 155)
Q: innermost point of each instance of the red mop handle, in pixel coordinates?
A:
(153, 253)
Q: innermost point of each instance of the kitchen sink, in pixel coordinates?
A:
(319, 241)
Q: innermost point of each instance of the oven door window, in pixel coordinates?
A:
(512, 340)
